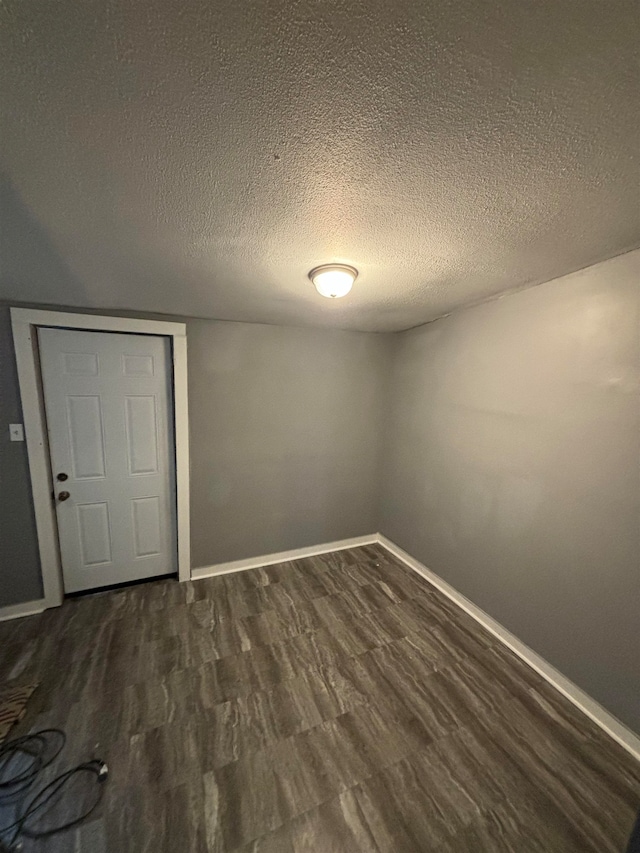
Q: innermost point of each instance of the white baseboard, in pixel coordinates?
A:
(606, 721)
(281, 557)
(25, 608)
(610, 724)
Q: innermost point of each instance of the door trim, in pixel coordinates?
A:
(24, 322)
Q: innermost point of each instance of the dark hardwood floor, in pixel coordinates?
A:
(337, 703)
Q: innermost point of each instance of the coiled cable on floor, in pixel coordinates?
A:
(22, 764)
(38, 750)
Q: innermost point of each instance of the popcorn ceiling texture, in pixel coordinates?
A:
(198, 158)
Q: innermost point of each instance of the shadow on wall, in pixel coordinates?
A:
(20, 578)
(31, 268)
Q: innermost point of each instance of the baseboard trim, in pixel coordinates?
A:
(25, 608)
(281, 557)
(607, 722)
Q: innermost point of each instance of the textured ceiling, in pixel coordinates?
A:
(198, 157)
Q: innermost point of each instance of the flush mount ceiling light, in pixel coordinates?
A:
(333, 280)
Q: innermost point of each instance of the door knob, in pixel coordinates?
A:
(62, 477)
(63, 496)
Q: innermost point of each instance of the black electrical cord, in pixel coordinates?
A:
(35, 747)
(16, 781)
(38, 803)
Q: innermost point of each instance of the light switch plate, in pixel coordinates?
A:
(16, 432)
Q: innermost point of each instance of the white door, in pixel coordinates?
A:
(110, 421)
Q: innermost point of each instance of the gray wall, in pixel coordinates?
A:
(509, 467)
(284, 437)
(19, 561)
(285, 433)
(512, 468)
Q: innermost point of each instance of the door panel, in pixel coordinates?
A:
(142, 449)
(84, 417)
(137, 365)
(109, 417)
(95, 533)
(80, 363)
(146, 526)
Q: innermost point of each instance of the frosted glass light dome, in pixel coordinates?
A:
(333, 280)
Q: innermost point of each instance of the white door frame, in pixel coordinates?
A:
(24, 322)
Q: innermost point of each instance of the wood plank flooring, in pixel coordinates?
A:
(336, 703)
